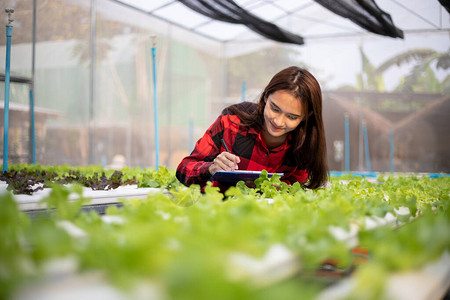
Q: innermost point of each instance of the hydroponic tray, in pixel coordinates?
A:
(99, 198)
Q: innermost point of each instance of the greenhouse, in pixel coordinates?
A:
(123, 122)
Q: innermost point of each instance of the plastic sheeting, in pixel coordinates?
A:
(364, 13)
(229, 11)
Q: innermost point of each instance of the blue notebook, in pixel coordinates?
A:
(238, 175)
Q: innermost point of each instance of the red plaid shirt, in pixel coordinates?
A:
(245, 142)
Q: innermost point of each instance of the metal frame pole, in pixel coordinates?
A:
(92, 84)
(191, 135)
(155, 101)
(347, 143)
(391, 148)
(9, 27)
(32, 129)
(366, 145)
(244, 89)
(33, 60)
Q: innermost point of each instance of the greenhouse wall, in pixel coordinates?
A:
(121, 119)
(417, 116)
(97, 99)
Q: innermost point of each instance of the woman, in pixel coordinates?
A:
(283, 133)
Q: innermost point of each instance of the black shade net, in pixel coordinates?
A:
(229, 11)
(364, 13)
(445, 4)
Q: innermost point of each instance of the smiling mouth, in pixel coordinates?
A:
(275, 128)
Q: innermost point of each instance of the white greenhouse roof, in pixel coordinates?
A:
(305, 18)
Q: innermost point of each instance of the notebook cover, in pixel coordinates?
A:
(238, 175)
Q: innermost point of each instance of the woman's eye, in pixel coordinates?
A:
(275, 109)
(292, 117)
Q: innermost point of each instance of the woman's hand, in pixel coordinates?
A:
(225, 161)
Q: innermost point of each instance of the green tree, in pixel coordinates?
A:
(368, 79)
(445, 85)
(421, 78)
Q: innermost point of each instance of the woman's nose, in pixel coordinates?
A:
(279, 120)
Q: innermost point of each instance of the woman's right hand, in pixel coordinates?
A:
(225, 161)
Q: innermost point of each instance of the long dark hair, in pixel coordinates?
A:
(309, 146)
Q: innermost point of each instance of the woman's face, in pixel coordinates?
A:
(282, 113)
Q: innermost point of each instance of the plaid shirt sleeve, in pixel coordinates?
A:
(194, 169)
(296, 176)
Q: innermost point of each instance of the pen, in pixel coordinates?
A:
(226, 148)
(225, 145)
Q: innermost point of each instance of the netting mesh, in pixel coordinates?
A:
(196, 80)
(365, 13)
(446, 4)
(229, 11)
